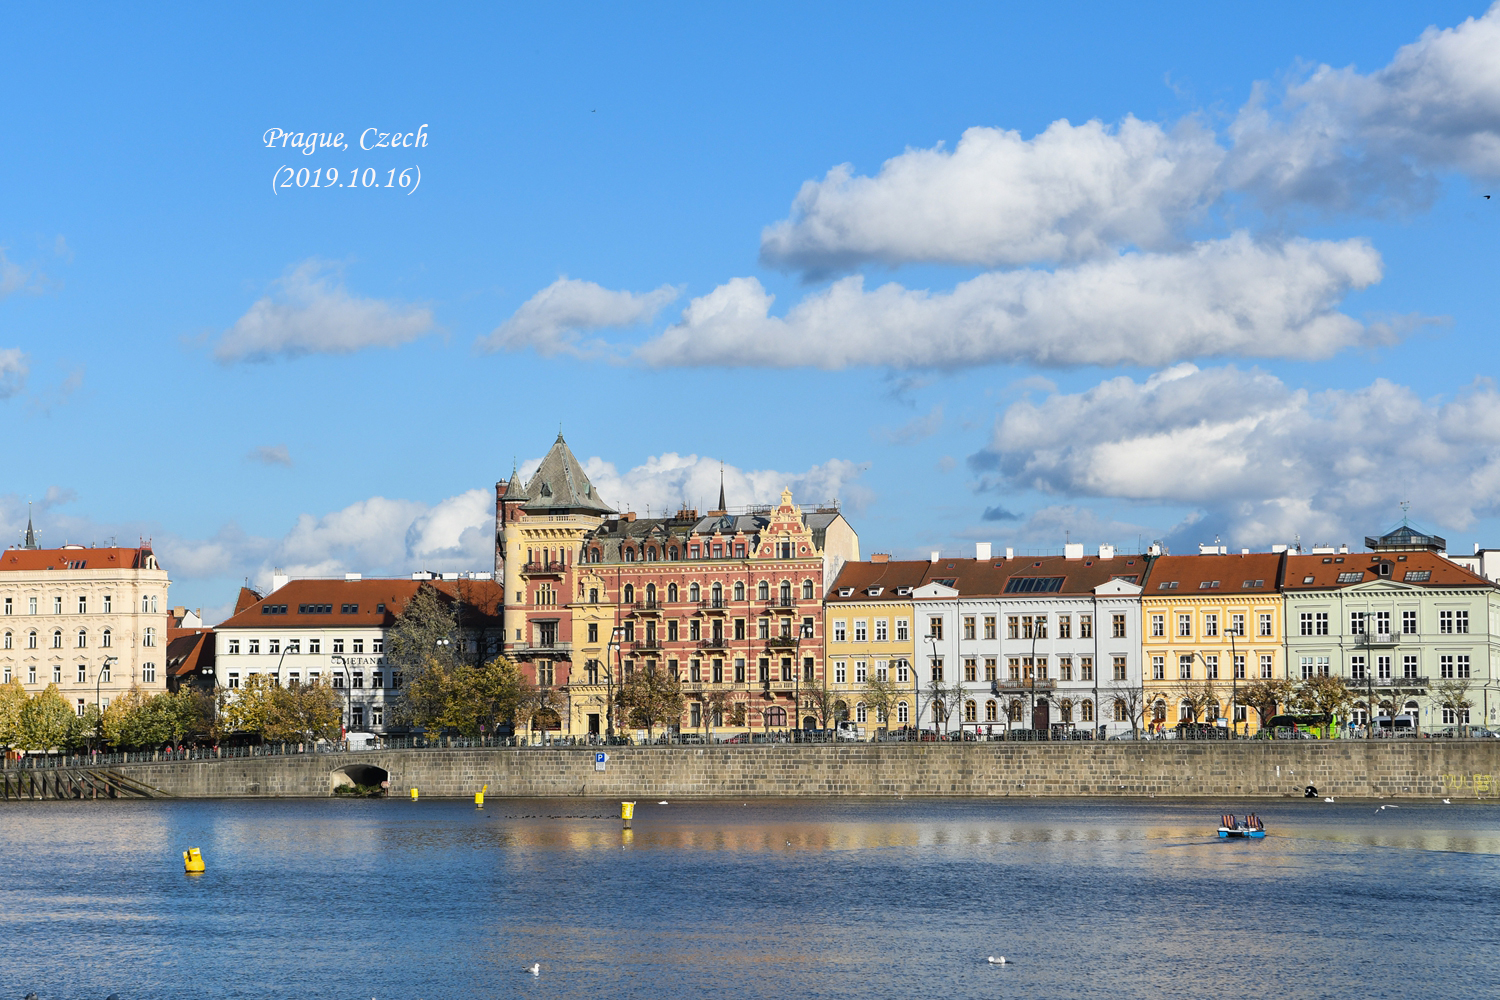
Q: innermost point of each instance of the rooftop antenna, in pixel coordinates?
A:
(1405, 507)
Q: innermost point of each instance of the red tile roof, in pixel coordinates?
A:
(30, 560)
(189, 649)
(1202, 576)
(378, 603)
(1325, 570)
(987, 577)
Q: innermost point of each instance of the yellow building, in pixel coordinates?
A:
(869, 630)
(1211, 623)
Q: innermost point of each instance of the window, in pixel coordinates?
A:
(252, 646)
(861, 673)
(1264, 625)
(1209, 585)
(83, 605)
(358, 646)
(1117, 626)
(8, 640)
(1085, 626)
(970, 627)
(1167, 585)
(1445, 667)
(1119, 668)
(145, 604)
(9, 608)
(377, 645)
(1461, 622)
(106, 604)
(1462, 667)
(1158, 625)
(1305, 623)
(840, 632)
(1320, 623)
(1357, 671)
(148, 673)
(1382, 668)
(1184, 668)
(1086, 711)
(1065, 668)
(1239, 666)
(294, 645)
(1353, 577)
(1013, 666)
(83, 674)
(1409, 622)
(1158, 668)
(148, 637)
(991, 671)
(1236, 624)
(31, 639)
(1307, 667)
(739, 590)
(57, 605)
(971, 669)
(935, 627)
(1356, 623)
(1408, 667)
(1033, 584)
(1417, 575)
(31, 673)
(57, 638)
(1184, 625)
(989, 627)
(338, 645)
(273, 646)
(105, 639)
(902, 715)
(902, 632)
(807, 590)
(377, 679)
(937, 669)
(839, 673)
(861, 631)
(1210, 625)
(83, 639)
(882, 630)
(31, 605)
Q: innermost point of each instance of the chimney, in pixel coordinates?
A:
(351, 577)
(880, 557)
(934, 555)
(1010, 553)
(1073, 550)
(1244, 552)
(1278, 549)
(278, 580)
(982, 551)
(1106, 552)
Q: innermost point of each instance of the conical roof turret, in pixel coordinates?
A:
(560, 484)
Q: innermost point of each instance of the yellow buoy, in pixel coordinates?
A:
(414, 795)
(192, 861)
(627, 811)
(479, 797)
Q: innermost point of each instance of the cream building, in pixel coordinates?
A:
(93, 621)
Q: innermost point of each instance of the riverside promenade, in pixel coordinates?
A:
(1397, 769)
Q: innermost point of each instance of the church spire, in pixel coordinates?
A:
(30, 541)
(722, 505)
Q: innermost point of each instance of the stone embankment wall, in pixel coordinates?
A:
(1458, 769)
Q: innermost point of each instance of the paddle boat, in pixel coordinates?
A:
(1252, 828)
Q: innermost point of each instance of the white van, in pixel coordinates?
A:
(849, 732)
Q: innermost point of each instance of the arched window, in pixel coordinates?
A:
(1013, 711)
(763, 591)
(695, 593)
(31, 639)
(1159, 712)
(104, 639)
(971, 712)
(650, 593)
(1087, 711)
(651, 554)
(594, 555)
(1122, 711)
(7, 640)
(739, 591)
(83, 638)
(840, 711)
(629, 555)
(57, 638)
(1067, 711)
(673, 555)
(786, 593)
(1185, 711)
(718, 595)
(630, 593)
(939, 714)
(672, 593)
(775, 715)
(807, 590)
(991, 711)
(901, 712)
(861, 713)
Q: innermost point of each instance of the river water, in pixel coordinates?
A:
(888, 899)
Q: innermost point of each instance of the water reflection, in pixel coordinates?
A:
(828, 899)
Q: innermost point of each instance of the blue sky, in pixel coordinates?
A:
(1172, 271)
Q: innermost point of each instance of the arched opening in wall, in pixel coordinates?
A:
(546, 719)
(360, 780)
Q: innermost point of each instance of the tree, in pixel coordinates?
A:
(1454, 696)
(479, 698)
(715, 704)
(820, 701)
(652, 698)
(1323, 695)
(47, 722)
(13, 698)
(304, 713)
(1266, 697)
(246, 709)
(881, 695)
(424, 638)
(1133, 699)
(1197, 696)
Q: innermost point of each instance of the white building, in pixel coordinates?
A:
(309, 630)
(93, 621)
(1038, 643)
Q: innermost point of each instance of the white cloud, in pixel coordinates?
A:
(1224, 297)
(669, 482)
(15, 278)
(1340, 140)
(271, 454)
(14, 368)
(311, 312)
(552, 320)
(1069, 193)
(1262, 459)
(915, 429)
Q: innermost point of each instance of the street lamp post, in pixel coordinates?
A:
(98, 679)
(1234, 690)
(609, 681)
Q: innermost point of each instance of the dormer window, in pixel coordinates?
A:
(876, 591)
(846, 591)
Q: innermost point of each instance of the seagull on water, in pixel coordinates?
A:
(662, 802)
(1387, 807)
(1447, 802)
(535, 969)
(1328, 800)
(998, 961)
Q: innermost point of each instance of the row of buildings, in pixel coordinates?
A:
(771, 620)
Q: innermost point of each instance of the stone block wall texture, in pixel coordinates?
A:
(1456, 769)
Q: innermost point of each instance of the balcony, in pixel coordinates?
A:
(543, 569)
(714, 642)
(646, 607)
(782, 602)
(1391, 685)
(648, 643)
(1022, 687)
(1382, 638)
(714, 607)
(543, 650)
(782, 642)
